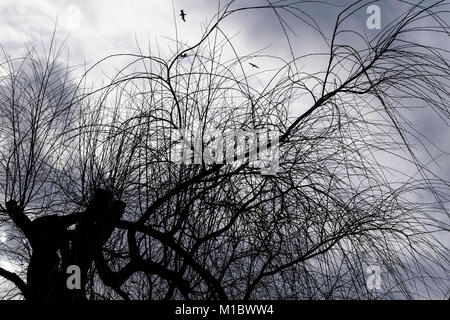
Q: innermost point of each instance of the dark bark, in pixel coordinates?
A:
(55, 248)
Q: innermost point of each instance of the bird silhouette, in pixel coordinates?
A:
(183, 15)
(253, 65)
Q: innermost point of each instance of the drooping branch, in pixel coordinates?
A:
(15, 279)
(116, 279)
(166, 239)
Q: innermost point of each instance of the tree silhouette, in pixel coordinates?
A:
(88, 178)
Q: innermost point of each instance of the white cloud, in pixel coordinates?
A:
(12, 34)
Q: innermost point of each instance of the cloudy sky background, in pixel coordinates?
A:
(97, 28)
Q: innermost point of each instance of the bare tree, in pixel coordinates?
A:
(88, 175)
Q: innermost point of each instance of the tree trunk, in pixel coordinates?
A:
(55, 248)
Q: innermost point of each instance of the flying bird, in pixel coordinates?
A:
(254, 65)
(183, 15)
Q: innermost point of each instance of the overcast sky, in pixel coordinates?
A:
(97, 28)
(101, 27)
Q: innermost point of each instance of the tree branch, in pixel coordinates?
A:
(15, 279)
